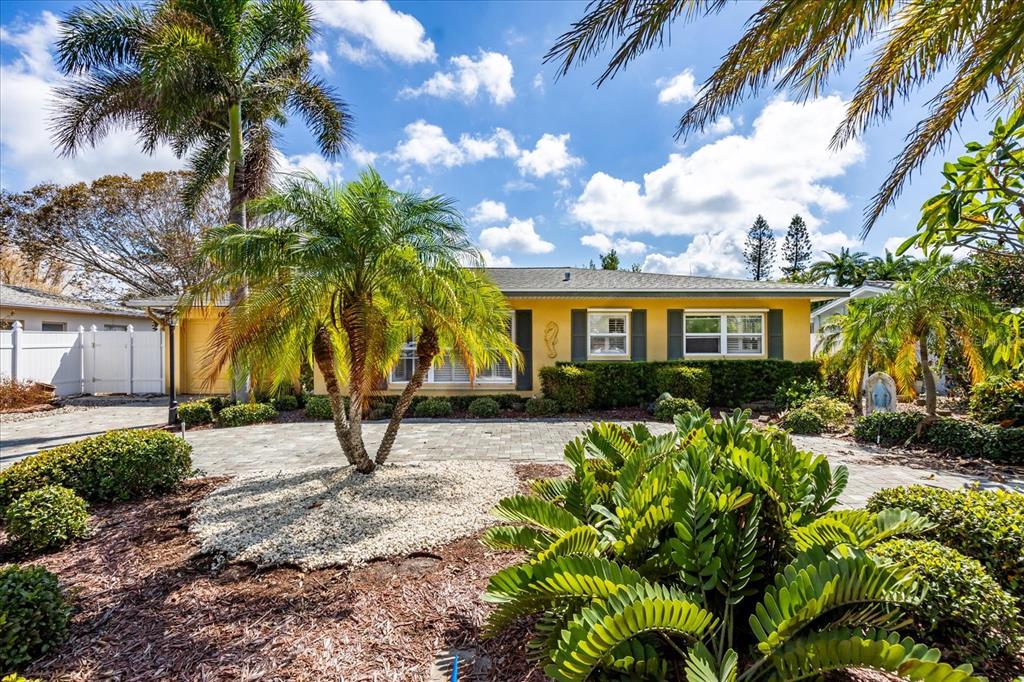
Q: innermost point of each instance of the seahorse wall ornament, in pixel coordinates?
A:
(551, 338)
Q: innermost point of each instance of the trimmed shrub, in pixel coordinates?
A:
(803, 421)
(733, 382)
(957, 436)
(195, 412)
(571, 387)
(484, 408)
(218, 402)
(998, 401)
(434, 408)
(666, 409)
(382, 411)
(964, 608)
(118, 465)
(795, 391)
(541, 407)
(34, 614)
(834, 413)
(246, 413)
(985, 524)
(681, 381)
(285, 403)
(46, 518)
(318, 407)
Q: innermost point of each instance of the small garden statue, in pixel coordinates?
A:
(880, 391)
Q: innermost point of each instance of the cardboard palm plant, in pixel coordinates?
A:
(711, 554)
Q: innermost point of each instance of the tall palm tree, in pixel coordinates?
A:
(844, 269)
(895, 331)
(211, 78)
(344, 275)
(800, 44)
(889, 267)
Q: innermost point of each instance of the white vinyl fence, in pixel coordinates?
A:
(85, 362)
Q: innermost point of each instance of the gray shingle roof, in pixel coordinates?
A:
(26, 297)
(566, 281)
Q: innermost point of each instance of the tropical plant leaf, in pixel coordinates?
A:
(581, 541)
(701, 665)
(516, 537)
(536, 512)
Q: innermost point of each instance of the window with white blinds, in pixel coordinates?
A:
(451, 370)
(724, 334)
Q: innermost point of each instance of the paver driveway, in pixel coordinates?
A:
(297, 446)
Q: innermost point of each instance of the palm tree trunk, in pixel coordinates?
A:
(323, 355)
(928, 375)
(236, 216)
(426, 350)
(353, 321)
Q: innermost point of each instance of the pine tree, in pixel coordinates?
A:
(610, 260)
(760, 249)
(796, 249)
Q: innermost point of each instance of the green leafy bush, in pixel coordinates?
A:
(285, 403)
(382, 411)
(794, 392)
(434, 407)
(803, 421)
(998, 401)
(664, 556)
(218, 402)
(318, 407)
(834, 412)
(964, 608)
(985, 524)
(681, 381)
(542, 407)
(957, 436)
(733, 382)
(46, 518)
(118, 465)
(195, 412)
(246, 413)
(34, 614)
(484, 408)
(666, 409)
(571, 387)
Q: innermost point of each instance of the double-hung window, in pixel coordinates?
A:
(608, 334)
(714, 333)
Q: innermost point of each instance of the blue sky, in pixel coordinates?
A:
(453, 98)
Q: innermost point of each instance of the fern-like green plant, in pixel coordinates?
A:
(712, 554)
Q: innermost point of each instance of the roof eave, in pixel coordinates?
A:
(80, 311)
(676, 293)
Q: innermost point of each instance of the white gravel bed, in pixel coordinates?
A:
(11, 417)
(337, 516)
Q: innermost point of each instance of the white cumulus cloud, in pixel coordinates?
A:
(489, 211)
(518, 235)
(374, 29)
(550, 156)
(314, 163)
(679, 88)
(427, 145)
(490, 73)
(493, 261)
(604, 244)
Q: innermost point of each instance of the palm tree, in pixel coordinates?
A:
(845, 269)
(210, 78)
(800, 44)
(344, 276)
(895, 330)
(889, 267)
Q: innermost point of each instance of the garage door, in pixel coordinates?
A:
(197, 338)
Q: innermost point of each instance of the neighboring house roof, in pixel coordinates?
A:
(566, 281)
(25, 297)
(870, 287)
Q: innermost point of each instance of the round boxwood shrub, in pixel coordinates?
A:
(118, 465)
(246, 413)
(484, 408)
(684, 382)
(834, 412)
(542, 407)
(998, 401)
(964, 608)
(34, 614)
(803, 421)
(318, 407)
(571, 387)
(434, 407)
(285, 403)
(666, 409)
(46, 518)
(195, 412)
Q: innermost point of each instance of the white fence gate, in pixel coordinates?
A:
(85, 362)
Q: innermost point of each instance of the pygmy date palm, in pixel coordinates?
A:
(344, 275)
(210, 78)
(800, 44)
(844, 269)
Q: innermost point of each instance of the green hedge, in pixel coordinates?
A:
(433, 408)
(318, 407)
(957, 436)
(998, 401)
(246, 413)
(733, 382)
(681, 381)
(195, 412)
(285, 402)
(34, 615)
(542, 407)
(118, 465)
(571, 387)
(46, 518)
(985, 524)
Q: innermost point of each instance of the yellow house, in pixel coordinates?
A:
(563, 314)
